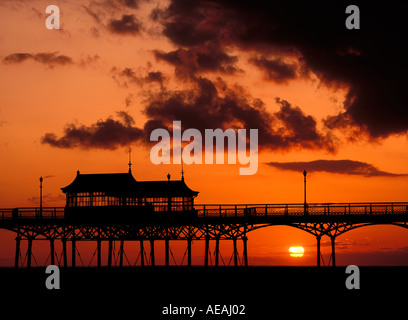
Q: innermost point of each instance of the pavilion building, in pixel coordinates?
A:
(108, 196)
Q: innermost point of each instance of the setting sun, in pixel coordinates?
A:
(296, 252)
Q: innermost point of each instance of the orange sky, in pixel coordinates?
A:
(42, 97)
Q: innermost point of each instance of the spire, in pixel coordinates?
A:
(130, 160)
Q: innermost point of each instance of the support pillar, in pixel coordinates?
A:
(318, 250)
(52, 251)
(206, 250)
(245, 250)
(141, 254)
(333, 250)
(29, 252)
(110, 244)
(98, 252)
(152, 252)
(167, 251)
(18, 239)
(189, 240)
(234, 240)
(73, 252)
(122, 243)
(64, 251)
(217, 250)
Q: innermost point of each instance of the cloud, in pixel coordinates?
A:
(214, 105)
(129, 75)
(276, 69)
(17, 57)
(105, 14)
(127, 25)
(349, 167)
(47, 58)
(131, 3)
(189, 23)
(51, 59)
(201, 58)
(208, 105)
(104, 134)
(301, 130)
(88, 60)
(369, 63)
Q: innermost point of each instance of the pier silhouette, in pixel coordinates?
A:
(116, 208)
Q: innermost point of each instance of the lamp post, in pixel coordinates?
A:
(304, 180)
(41, 186)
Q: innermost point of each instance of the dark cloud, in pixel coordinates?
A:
(197, 30)
(335, 166)
(131, 3)
(370, 62)
(104, 134)
(155, 76)
(215, 105)
(276, 70)
(209, 105)
(106, 14)
(301, 130)
(201, 58)
(48, 58)
(128, 24)
(129, 75)
(190, 23)
(17, 57)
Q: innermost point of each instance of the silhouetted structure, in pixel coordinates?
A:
(119, 197)
(116, 208)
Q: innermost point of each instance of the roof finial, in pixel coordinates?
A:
(168, 176)
(130, 160)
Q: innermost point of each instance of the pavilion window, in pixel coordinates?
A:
(130, 201)
(188, 203)
(83, 199)
(159, 203)
(176, 204)
(96, 199)
(71, 200)
(162, 204)
(99, 199)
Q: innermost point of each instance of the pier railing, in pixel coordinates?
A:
(269, 210)
(240, 210)
(47, 213)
